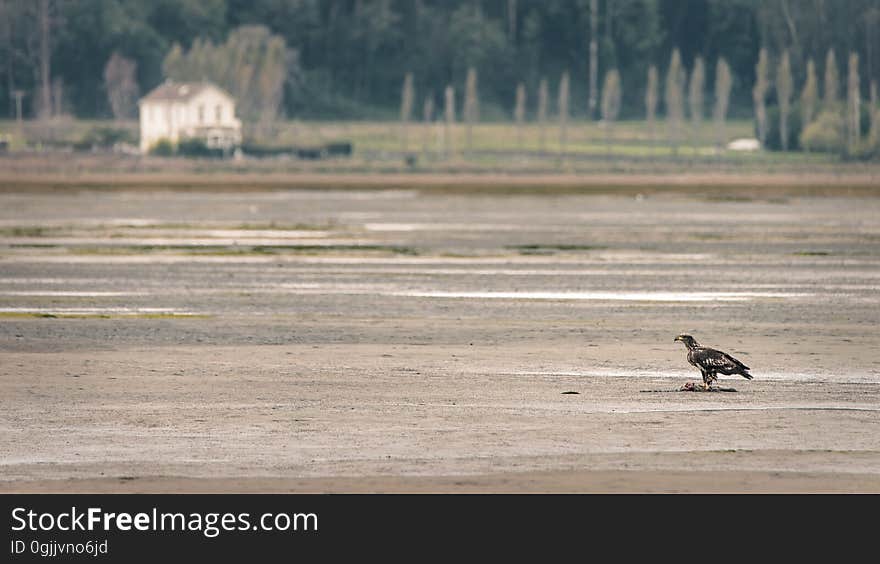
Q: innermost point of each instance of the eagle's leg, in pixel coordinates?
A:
(707, 380)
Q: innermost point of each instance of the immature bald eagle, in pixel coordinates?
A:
(712, 362)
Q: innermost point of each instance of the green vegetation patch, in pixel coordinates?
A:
(219, 250)
(538, 249)
(24, 231)
(41, 315)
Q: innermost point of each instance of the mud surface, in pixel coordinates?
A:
(405, 341)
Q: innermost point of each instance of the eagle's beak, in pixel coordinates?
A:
(676, 339)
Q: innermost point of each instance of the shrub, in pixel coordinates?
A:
(254, 149)
(105, 137)
(826, 134)
(196, 147)
(339, 148)
(162, 148)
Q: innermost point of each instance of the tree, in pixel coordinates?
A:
(827, 133)
(832, 80)
(519, 113)
(427, 117)
(651, 99)
(471, 105)
(45, 58)
(874, 133)
(120, 81)
(695, 97)
(252, 65)
(784, 92)
(759, 94)
(449, 115)
(611, 94)
(875, 117)
(810, 95)
(723, 85)
(675, 79)
(563, 111)
(476, 41)
(594, 58)
(853, 103)
(543, 95)
(407, 99)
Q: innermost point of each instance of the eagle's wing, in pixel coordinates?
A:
(719, 361)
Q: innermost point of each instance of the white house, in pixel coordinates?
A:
(181, 110)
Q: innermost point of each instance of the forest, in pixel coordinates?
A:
(346, 59)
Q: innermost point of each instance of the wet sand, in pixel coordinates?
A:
(406, 341)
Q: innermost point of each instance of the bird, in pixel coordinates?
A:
(712, 362)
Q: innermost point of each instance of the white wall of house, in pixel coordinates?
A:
(210, 114)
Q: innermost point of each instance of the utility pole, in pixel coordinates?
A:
(594, 58)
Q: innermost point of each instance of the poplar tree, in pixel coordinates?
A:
(832, 82)
(120, 81)
(543, 95)
(519, 113)
(651, 102)
(809, 96)
(853, 102)
(611, 94)
(427, 117)
(449, 114)
(471, 106)
(675, 100)
(759, 94)
(784, 92)
(407, 99)
(563, 111)
(695, 98)
(723, 85)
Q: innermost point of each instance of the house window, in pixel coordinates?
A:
(202, 113)
(218, 113)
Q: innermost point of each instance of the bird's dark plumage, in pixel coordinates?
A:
(712, 362)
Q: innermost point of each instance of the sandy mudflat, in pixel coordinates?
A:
(403, 341)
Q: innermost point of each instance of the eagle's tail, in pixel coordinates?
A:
(745, 374)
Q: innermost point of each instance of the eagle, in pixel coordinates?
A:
(711, 362)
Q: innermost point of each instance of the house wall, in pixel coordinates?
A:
(175, 120)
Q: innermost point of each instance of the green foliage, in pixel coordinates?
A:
(759, 94)
(348, 57)
(810, 94)
(830, 95)
(162, 148)
(828, 133)
(252, 65)
(106, 137)
(197, 148)
(611, 94)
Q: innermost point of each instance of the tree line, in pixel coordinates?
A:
(346, 58)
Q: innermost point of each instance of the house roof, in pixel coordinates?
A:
(170, 91)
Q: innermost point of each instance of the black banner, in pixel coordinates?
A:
(114, 528)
